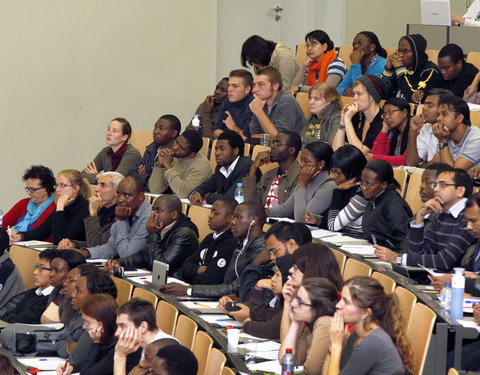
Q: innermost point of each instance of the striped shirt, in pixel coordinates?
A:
(346, 212)
(443, 245)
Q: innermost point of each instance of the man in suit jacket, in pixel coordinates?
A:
(231, 168)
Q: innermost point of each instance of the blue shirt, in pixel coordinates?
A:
(355, 72)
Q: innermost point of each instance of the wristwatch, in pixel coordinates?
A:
(442, 145)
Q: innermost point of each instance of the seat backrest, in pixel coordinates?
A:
(387, 283)
(406, 300)
(246, 149)
(201, 347)
(474, 58)
(390, 50)
(199, 216)
(215, 362)
(354, 267)
(301, 54)
(213, 162)
(185, 331)
(341, 259)
(452, 371)
(475, 118)
(228, 371)
(346, 100)
(344, 53)
(412, 195)
(401, 176)
(166, 316)
(141, 139)
(256, 150)
(124, 290)
(432, 55)
(419, 333)
(146, 295)
(24, 260)
(205, 147)
(302, 99)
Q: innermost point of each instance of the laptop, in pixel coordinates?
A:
(435, 12)
(159, 273)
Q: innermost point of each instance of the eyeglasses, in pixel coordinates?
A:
(273, 252)
(62, 186)
(88, 322)
(32, 190)
(365, 185)
(440, 185)
(41, 268)
(300, 302)
(276, 143)
(390, 112)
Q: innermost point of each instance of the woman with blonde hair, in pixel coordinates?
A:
(325, 107)
(71, 194)
(378, 344)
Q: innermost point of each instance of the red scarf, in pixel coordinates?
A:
(117, 156)
(321, 67)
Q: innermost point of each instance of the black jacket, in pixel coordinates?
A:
(177, 244)
(213, 253)
(62, 224)
(220, 187)
(387, 217)
(26, 307)
(148, 160)
(461, 82)
(231, 282)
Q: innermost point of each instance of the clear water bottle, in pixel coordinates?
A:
(288, 362)
(1, 218)
(196, 122)
(239, 193)
(446, 296)
(458, 288)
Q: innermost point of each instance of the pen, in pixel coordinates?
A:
(310, 214)
(9, 231)
(199, 304)
(224, 320)
(374, 239)
(65, 365)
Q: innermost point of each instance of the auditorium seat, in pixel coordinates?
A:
(141, 139)
(124, 290)
(412, 195)
(24, 259)
(199, 216)
(419, 333)
(146, 295)
(406, 300)
(387, 283)
(201, 347)
(256, 150)
(341, 259)
(185, 331)
(354, 267)
(167, 316)
(215, 362)
(302, 99)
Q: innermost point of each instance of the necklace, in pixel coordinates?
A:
(421, 84)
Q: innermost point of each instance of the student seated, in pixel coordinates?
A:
(313, 306)
(182, 168)
(232, 166)
(422, 143)
(325, 108)
(443, 245)
(458, 140)
(361, 121)
(99, 321)
(247, 224)
(309, 261)
(30, 213)
(457, 74)
(408, 73)
(322, 64)
(386, 216)
(209, 109)
(136, 328)
(367, 57)
(235, 113)
(63, 273)
(10, 278)
(276, 185)
(273, 109)
(101, 207)
(378, 344)
(118, 156)
(174, 360)
(209, 263)
(166, 130)
(314, 187)
(67, 220)
(28, 306)
(348, 204)
(259, 53)
(128, 234)
(172, 238)
(391, 143)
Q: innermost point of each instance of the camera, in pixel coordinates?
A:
(231, 306)
(119, 271)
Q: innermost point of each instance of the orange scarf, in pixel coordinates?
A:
(320, 66)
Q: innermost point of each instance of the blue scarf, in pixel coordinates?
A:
(33, 213)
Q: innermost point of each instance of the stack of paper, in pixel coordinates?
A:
(345, 240)
(322, 233)
(222, 320)
(359, 249)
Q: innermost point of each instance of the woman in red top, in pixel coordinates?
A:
(29, 213)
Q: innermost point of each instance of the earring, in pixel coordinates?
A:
(371, 50)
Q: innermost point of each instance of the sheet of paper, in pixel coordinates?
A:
(245, 336)
(200, 304)
(430, 271)
(145, 280)
(42, 363)
(174, 280)
(101, 261)
(275, 219)
(359, 249)
(271, 356)
(222, 320)
(345, 240)
(32, 243)
(469, 323)
(272, 367)
(323, 233)
(138, 272)
(265, 346)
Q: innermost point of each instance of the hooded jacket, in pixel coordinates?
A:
(387, 217)
(176, 246)
(424, 74)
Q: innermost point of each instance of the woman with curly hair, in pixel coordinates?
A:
(378, 344)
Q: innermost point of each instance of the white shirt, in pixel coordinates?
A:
(472, 17)
(227, 171)
(45, 292)
(160, 335)
(426, 143)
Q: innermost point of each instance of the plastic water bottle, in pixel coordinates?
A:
(239, 193)
(288, 362)
(1, 218)
(196, 122)
(458, 288)
(446, 296)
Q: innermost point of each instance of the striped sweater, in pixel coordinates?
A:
(441, 246)
(346, 212)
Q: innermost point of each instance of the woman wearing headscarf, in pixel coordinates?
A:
(408, 73)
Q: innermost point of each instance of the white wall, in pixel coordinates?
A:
(68, 67)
